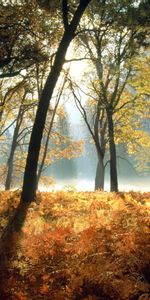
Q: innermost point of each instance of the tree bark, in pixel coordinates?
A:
(99, 178)
(100, 147)
(29, 183)
(10, 166)
(113, 159)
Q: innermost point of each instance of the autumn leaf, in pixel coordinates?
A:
(44, 289)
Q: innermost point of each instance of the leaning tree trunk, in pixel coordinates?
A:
(113, 159)
(29, 183)
(99, 178)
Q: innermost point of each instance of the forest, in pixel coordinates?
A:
(74, 149)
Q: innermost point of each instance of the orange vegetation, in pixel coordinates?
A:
(76, 246)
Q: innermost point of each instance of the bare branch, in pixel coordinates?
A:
(122, 88)
(129, 164)
(76, 59)
(7, 127)
(81, 109)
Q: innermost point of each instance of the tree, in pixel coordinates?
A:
(95, 119)
(18, 134)
(21, 45)
(7, 90)
(139, 84)
(112, 39)
(29, 184)
(26, 28)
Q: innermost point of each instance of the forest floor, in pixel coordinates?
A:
(77, 246)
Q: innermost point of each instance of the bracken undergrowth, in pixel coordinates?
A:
(77, 246)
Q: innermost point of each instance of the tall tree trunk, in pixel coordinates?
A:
(100, 147)
(29, 183)
(100, 172)
(13, 148)
(10, 166)
(113, 159)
